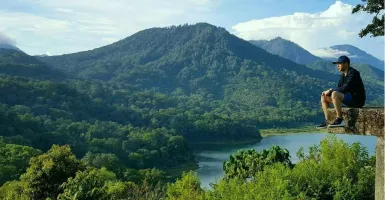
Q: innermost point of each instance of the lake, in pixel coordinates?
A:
(211, 159)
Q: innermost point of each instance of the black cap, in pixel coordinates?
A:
(342, 59)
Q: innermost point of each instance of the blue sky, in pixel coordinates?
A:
(67, 26)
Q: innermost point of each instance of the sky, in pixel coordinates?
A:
(57, 27)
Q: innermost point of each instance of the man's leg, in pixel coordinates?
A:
(337, 98)
(325, 101)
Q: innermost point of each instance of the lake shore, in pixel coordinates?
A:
(230, 142)
(264, 133)
(175, 172)
(297, 130)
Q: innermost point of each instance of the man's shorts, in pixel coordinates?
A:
(348, 99)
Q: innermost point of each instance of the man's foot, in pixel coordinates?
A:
(322, 125)
(338, 123)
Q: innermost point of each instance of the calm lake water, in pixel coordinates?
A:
(211, 159)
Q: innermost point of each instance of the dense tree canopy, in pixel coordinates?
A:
(246, 163)
(57, 174)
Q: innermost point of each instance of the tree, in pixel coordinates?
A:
(14, 160)
(14, 190)
(88, 184)
(246, 163)
(49, 171)
(376, 28)
(188, 187)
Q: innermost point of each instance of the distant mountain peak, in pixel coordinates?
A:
(286, 49)
(279, 38)
(355, 54)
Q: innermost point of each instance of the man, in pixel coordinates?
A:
(350, 92)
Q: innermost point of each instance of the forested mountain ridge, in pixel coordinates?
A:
(17, 63)
(201, 59)
(171, 50)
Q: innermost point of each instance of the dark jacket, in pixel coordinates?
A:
(352, 83)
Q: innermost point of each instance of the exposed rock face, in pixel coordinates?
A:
(366, 121)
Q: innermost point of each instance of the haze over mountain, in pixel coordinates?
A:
(286, 49)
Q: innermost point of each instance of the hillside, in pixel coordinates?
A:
(205, 60)
(286, 49)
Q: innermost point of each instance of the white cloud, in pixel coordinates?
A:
(331, 53)
(6, 40)
(64, 10)
(77, 25)
(334, 26)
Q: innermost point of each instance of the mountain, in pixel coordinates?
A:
(355, 54)
(201, 59)
(286, 49)
(207, 60)
(8, 46)
(17, 63)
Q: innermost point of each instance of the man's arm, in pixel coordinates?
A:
(348, 84)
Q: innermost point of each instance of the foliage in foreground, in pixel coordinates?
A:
(331, 170)
(57, 174)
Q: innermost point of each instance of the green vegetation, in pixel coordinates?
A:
(17, 63)
(245, 164)
(57, 174)
(331, 170)
(14, 160)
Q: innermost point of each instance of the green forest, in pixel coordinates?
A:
(119, 122)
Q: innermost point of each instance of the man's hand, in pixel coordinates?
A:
(326, 92)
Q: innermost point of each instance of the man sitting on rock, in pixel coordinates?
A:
(350, 92)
